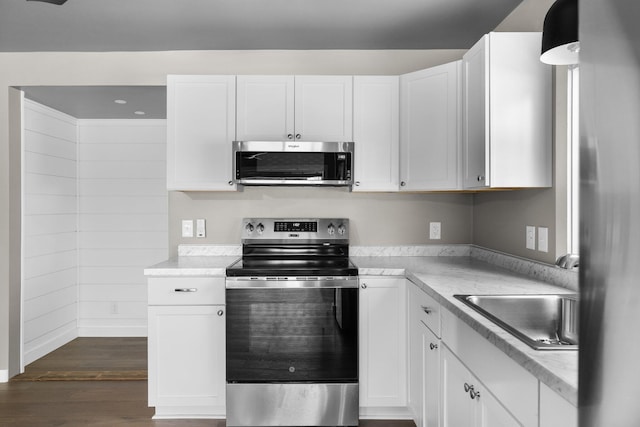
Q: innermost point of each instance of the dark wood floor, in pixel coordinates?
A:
(95, 403)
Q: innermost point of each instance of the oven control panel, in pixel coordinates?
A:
(293, 229)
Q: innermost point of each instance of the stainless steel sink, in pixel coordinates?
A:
(544, 322)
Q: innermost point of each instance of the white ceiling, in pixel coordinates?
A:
(139, 25)
(152, 25)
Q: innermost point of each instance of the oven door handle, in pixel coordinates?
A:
(291, 283)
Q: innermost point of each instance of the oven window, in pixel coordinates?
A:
(292, 335)
(293, 165)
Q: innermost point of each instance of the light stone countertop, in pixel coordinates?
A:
(442, 277)
(191, 266)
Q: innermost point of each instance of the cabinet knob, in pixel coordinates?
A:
(480, 178)
(467, 387)
(230, 182)
(426, 309)
(220, 312)
(357, 183)
(298, 136)
(363, 286)
(290, 136)
(474, 394)
(433, 346)
(402, 184)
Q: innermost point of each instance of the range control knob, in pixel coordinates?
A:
(342, 229)
(249, 228)
(331, 229)
(260, 228)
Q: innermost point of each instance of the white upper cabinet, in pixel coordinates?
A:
(507, 113)
(309, 108)
(324, 108)
(430, 128)
(376, 132)
(201, 125)
(265, 108)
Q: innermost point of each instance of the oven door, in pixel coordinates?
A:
(292, 335)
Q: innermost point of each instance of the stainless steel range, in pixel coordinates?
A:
(292, 325)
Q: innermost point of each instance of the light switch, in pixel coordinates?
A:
(543, 239)
(201, 228)
(531, 237)
(187, 228)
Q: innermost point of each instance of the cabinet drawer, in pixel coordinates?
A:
(428, 311)
(186, 291)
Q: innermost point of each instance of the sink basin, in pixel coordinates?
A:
(544, 322)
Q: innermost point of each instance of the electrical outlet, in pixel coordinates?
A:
(531, 237)
(543, 239)
(187, 228)
(201, 228)
(434, 230)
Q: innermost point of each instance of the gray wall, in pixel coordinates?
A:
(376, 219)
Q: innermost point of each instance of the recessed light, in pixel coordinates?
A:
(120, 101)
(140, 113)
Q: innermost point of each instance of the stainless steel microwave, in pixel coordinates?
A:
(300, 163)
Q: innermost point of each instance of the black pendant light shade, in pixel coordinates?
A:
(560, 45)
(58, 2)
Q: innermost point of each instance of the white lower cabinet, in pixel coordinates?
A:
(430, 378)
(383, 347)
(424, 358)
(466, 401)
(555, 411)
(508, 393)
(186, 347)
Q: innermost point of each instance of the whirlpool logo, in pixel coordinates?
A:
(293, 146)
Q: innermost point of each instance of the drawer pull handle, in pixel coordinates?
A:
(364, 286)
(185, 290)
(220, 312)
(433, 346)
(426, 309)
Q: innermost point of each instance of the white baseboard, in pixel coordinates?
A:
(4, 375)
(49, 345)
(112, 331)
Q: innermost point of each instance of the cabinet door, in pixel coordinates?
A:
(493, 414)
(376, 132)
(383, 342)
(200, 129)
(265, 108)
(430, 128)
(475, 128)
(324, 108)
(187, 356)
(555, 411)
(431, 378)
(458, 409)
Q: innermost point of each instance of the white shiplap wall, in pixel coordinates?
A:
(123, 221)
(49, 291)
